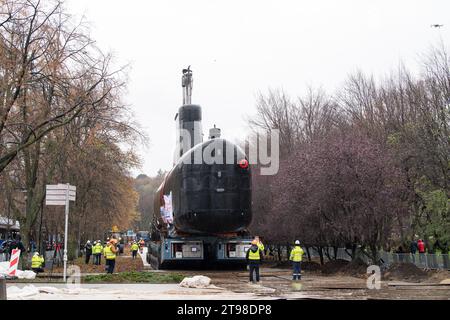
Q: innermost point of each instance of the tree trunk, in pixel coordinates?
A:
(320, 255)
(327, 253)
(39, 242)
(374, 254)
(25, 239)
(279, 253)
(353, 250)
(77, 252)
(288, 251)
(335, 252)
(308, 254)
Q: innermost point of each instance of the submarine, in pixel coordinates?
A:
(202, 209)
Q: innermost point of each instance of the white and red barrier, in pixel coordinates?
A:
(14, 262)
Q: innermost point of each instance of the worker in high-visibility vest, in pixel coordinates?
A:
(134, 249)
(110, 252)
(37, 263)
(97, 250)
(254, 257)
(296, 258)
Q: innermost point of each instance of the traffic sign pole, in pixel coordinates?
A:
(66, 233)
(60, 195)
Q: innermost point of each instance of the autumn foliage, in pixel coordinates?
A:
(367, 166)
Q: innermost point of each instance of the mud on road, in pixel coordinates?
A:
(277, 283)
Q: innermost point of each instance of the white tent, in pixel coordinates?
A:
(12, 224)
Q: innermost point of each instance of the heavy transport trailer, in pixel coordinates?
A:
(198, 251)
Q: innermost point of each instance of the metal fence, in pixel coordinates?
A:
(422, 260)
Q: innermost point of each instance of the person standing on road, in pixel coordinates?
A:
(413, 249)
(134, 249)
(254, 258)
(17, 244)
(421, 248)
(110, 256)
(37, 263)
(97, 251)
(88, 251)
(6, 250)
(296, 258)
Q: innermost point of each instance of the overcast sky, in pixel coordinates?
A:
(237, 48)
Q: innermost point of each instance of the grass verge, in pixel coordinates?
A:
(134, 277)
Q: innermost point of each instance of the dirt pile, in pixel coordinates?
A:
(404, 271)
(334, 266)
(439, 275)
(311, 266)
(355, 268)
(278, 264)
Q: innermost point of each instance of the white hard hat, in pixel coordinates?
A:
(89, 241)
(36, 253)
(297, 242)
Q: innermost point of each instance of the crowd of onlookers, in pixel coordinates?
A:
(7, 246)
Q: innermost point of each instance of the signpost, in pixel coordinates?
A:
(61, 195)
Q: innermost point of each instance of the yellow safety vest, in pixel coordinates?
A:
(134, 247)
(109, 254)
(36, 262)
(296, 254)
(254, 255)
(98, 248)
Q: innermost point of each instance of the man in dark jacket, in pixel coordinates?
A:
(254, 257)
(413, 249)
(16, 244)
(88, 248)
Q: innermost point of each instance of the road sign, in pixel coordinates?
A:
(55, 203)
(61, 195)
(56, 194)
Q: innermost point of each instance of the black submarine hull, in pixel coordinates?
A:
(208, 198)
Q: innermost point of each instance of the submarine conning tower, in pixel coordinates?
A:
(189, 118)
